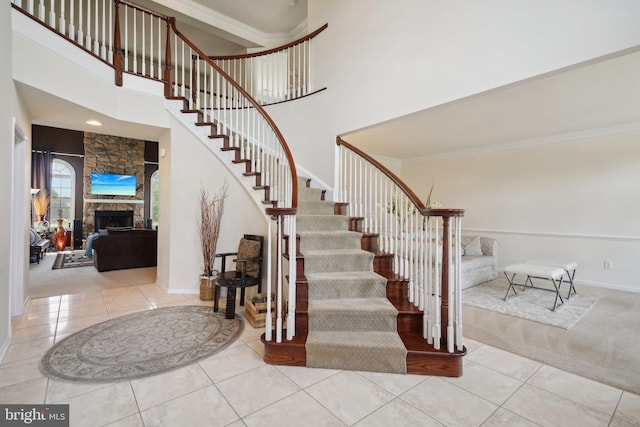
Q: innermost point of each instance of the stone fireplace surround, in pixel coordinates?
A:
(112, 154)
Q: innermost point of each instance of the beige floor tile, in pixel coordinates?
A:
(20, 371)
(587, 392)
(102, 406)
(397, 413)
(75, 325)
(130, 421)
(293, 411)
(153, 390)
(449, 404)
(230, 362)
(90, 309)
(629, 408)
(486, 383)
(89, 296)
(250, 334)
(62, 391)
(33, 348)
(25, 392)
(305, 377)
(349, 396)
(549, 409)
(502, 418)
(256, 389)
(30, 320)
(620, 422)
(43, 305)
(470, 344)
(204, 407)
(33, 333)
(393, 383)
(504, 362)
(130, 310)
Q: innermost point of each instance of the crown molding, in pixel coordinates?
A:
(526, 144)
(225, 23)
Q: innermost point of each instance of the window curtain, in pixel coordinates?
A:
(41, 170)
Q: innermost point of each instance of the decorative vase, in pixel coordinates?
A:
(207, 287)
(61, 237)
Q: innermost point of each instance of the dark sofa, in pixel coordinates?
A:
(122, 249)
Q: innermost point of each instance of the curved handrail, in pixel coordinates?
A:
(404, 187)
(256, 105)
(273, 50)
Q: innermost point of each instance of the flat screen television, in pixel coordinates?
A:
(108, 184)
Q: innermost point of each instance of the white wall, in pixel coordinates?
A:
(190, 164)
(380, 60)
(383, 59)
(6, 158)
(568, 201)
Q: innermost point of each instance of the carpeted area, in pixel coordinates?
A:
(531, 304)
(71, 260)
(141, 344)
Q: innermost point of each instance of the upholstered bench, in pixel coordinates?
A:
(568, 267)
(535, 271)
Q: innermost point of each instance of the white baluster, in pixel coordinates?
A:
(268, 333)
(62, 25)
(96, 39)
(109, 40)
(103, 44)
(144, 37)
(80, 34)
(88, 41)
(72, 27)
(41, 11)
(134, 28)
(159, 48)
(151, 52)
(52, 14)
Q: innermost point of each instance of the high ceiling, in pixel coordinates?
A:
(596, 97)
(590, 99)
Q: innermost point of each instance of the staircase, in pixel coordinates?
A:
(352, 310)
(357, 299)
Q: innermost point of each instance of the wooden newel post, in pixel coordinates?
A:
(444, 313)
(167, 60)
(118, 60)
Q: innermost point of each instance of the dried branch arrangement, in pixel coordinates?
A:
(211, 210)
(41, 203)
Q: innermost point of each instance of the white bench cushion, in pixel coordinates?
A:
(566, 266)
(535, 270)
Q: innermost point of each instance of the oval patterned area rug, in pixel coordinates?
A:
(141, 344)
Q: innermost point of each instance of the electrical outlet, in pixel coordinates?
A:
(608, 265)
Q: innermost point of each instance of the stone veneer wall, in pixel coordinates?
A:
(112, 154)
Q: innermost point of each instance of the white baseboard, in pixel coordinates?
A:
(605, 285)
(183, 291)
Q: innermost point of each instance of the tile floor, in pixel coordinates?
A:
(236, 388)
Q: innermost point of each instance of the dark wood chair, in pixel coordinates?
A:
(248, 272)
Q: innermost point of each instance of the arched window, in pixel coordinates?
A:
(154, 197)
(63, 180)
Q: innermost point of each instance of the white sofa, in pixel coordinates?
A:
(479, 261)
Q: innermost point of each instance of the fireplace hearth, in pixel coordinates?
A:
(104, 219)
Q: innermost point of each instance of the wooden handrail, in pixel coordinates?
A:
(404, 187)
(275, 49)
(256, 105)
(144, 9)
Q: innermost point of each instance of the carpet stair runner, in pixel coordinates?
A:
(351, 323)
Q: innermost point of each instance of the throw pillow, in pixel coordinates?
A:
(471, 245)
(249, 249)
(34, 237)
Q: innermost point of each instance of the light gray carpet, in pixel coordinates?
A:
(352, 325)
(141, 344)
(531, 304)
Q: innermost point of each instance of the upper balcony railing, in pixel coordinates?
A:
(425, 242)
(274, 75)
